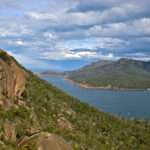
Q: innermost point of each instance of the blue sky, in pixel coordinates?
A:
(67, 34)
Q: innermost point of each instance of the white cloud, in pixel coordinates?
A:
(14, 30)
(20, 42)
(68, 54)
(40, 16)
(138, 27)
(7, 32)
(138, 56)
(33, 63)
(76, 55)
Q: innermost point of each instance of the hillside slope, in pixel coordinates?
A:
(43, 117)
(124, 73)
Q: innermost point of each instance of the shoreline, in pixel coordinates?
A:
(48, 75)
(86, 86)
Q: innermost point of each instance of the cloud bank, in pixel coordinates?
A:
(55, 32)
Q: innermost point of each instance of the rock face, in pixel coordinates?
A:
(12, 85)
(12, 78)
(45, 141)
(48, 141)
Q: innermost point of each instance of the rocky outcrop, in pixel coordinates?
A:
(9, 132)
(45, 141)
(12, 79)
(52, 142)
(12, 86)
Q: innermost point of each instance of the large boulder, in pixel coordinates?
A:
(9, 131)
(48, 141)
(45, 141)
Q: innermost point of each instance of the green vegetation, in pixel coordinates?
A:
(90, 129)
(125, 74)
(4, 56)
(43, 107)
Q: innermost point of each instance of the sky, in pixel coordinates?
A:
(67, 34)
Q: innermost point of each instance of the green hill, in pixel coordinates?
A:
(35, 115)
(124, 73)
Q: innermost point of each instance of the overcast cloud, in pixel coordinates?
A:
(52, 33)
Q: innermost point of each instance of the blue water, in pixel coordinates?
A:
(134, 104)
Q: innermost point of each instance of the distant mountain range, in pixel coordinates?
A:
(53, 73)
(120, 74)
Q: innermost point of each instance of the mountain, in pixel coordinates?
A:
(121, 74)
(52, 73)
(35, 115)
